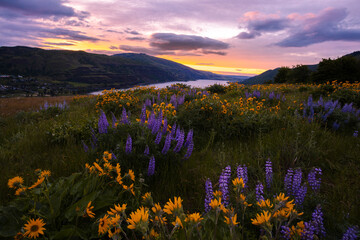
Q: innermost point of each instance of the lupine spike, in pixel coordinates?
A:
(151, 168)
(352, 233)
(143, 114)
(269, 173)
(147, 150)
(208, 194)
(114, 121)
(124, 117)
(167, 144)
(158, 137)
(103, 123)
(180, 141)
(128, 147)
(259, 191)
(224, 184)
(241, 172)
(189, 150)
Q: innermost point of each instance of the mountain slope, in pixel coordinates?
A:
(269, 75)
(121, 70)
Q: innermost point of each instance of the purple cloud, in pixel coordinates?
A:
(113, 47)
(69, 34)
(327, 26)
(43, 8)
(58, 44)
(135, 38)
(171, 41)
(150, 51)
(132, 32)
(257, 23)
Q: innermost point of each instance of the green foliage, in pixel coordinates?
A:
(216, 88)
(282, 75)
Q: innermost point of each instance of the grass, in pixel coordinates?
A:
(290, 141)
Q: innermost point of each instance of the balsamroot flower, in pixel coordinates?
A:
(15, 182)
(262, 218)
(138, 219)
(173, 207)
(34, 228)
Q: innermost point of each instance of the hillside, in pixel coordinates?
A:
(269, 75)
(122, 70)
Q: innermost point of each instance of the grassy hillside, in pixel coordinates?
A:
(261, 134)
(122, 70)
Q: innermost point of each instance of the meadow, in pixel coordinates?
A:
(272, 161)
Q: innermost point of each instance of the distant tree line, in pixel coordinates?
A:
(346, 68)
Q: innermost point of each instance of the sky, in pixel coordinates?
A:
(237, 37)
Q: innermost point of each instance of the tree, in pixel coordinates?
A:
(282, 75)
(299, 74)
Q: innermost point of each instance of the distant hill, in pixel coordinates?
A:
(121, 70)
(269, 75)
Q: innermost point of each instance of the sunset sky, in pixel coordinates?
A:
(243, 37)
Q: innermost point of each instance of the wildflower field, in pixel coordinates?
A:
(277, 161)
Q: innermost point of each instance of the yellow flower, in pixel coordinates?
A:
(217, 194)
(153, 234)
(231, 220)
(178, 222)
(243, 201)
(265, 203)
(171, 207)
(157, 208)
(132, 175)
(20, 191)
(262, 218)
(141, 215)
(238, 182)
(45, 174)
(146, 196)
(38, 182)
(88, 211)
(117, 209)
(115, 220)
(104, 224)
(15, 182)
(194, 217)
(281, 198)
(34, 228)
(116, 232)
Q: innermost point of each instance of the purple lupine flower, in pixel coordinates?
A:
(173, 131)
(309, 231)
(167, 144)
(259, 191)
(317, 221)
(165, 125)
(271, 95)
(124, 117)
(113, 118)
(296, 182)
(208, 194)
(224, 184)
(356, 133)
(189, 150)
(180, 141)
(242, 173)
(158, 137)
(313, 180)
(288, 181)
(336, 125)
(103, 123)
(189, 138)
(158, 97)
(300, 195)
(352, 233)
(151, 168)
(143, 114)
(93, 139)
(113, 156)
(147, 151)
(86, 148)
(177, 133)
(285, 232)
(151, 120)
(128, 147)
(268, 172)
(46, 105)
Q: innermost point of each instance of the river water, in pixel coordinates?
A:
(201, 83)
